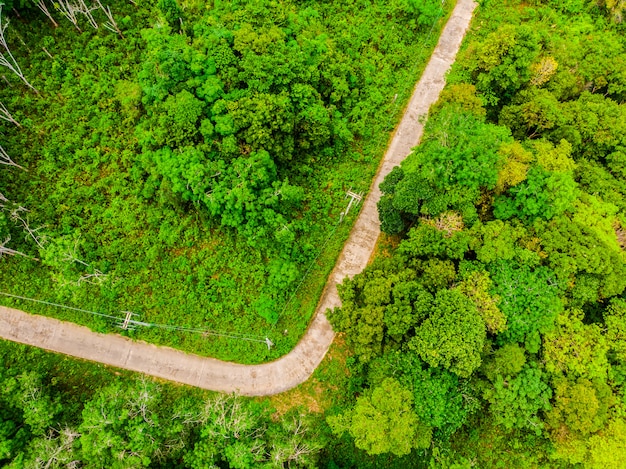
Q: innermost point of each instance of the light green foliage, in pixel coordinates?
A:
(555, 158)
(542, 194)
(462, 94)
(425, 240)
(516, 400)
(607, 449)
(575, 349)
(580, 407)
(452, 336)
(178, 119)
(528, 298)
(615, 320)
(384, 422)
(497, 240)
(476, 287)
(515, 163)
(508, 360)
(585, 243)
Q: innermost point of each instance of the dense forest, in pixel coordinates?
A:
(189, 161)
(186, 156)
(490, 329)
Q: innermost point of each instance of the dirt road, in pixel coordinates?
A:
(295, 367)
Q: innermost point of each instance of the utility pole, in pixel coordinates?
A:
(353, 196)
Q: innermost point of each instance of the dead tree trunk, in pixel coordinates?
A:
(69, 10)
(42, 6)
(111, 24)
(5, 159)
(6, 58)
(85, 10)
(8, 251)
(40, 239)
(6, 115)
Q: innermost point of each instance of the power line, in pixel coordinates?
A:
(59, 306)
(132, 322)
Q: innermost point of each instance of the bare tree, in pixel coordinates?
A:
(111, 24)
(6, 115)
(39, 238)
(42, 6)
(69, 10)
(8, 251)
(56, 449)
(69, 256)
(6, 58)
(140, 403)
(5, 159)
(86, 10)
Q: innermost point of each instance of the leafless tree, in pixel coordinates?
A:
(95, 277)
(140, 403)
(6, 58)
(111, 24)
(47, 53)
(42, 6)
(16, 215)
(57, 449)
(5, 159)
(86, 10)
(4, 249)
(69, 10)
(6, 115)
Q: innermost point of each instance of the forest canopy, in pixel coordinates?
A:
(195, 155)
(504, 272)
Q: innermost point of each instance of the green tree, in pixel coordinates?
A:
(384, 421)
(452, 336)
(516, 400)
(530, 300)
(580, 407)
(476, 287)
(575, 349)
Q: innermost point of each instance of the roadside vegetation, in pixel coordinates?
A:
(188, 161)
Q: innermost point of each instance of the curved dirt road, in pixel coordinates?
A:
(295, 367)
